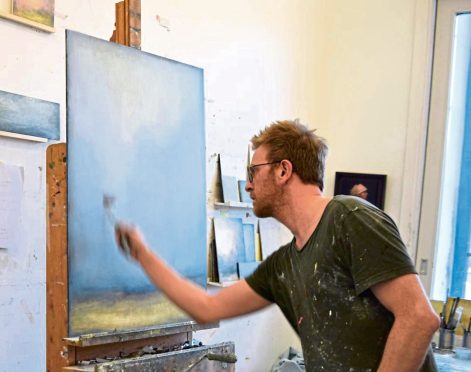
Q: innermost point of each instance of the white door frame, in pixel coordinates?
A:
(433, 197)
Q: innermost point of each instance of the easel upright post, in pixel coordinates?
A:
(56, 257)
(128, 23)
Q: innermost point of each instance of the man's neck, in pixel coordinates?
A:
(301, 211)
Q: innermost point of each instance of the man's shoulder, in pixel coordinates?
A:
(345, 208)
(277, 260)
(348, 204)
(280, 252)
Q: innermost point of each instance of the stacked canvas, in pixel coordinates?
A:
(235, 247)
(273, 235)
(236, 250)
(233, 190)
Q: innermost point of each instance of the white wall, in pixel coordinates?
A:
(254, 59)
(371, 92)
(453, 150)
(31, 64)
(445, 141)
(364, 89)
(343, 68)
(258, 58)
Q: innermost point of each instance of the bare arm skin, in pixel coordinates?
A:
(414, 324)
(232, 301)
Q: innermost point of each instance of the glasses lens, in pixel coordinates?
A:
(249, 174)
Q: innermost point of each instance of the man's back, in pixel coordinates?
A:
(323, 289)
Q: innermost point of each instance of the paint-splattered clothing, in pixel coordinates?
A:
(323, 290)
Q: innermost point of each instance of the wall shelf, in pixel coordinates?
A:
(22, 136)
(234, 204)
(223, 284)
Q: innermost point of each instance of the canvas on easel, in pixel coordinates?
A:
(135, 130)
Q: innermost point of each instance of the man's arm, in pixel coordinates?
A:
(414, 323)
(232, 301)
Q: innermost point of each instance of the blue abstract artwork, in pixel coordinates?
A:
(135, 131)
(230, 188)
(249, 226)
(247, 268)
(230, 246)
(29, 116)
(244, 195)
(273, 235)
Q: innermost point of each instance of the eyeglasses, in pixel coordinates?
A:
(251, 169)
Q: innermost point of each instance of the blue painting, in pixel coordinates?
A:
(135, 131)
(29, 116)
(247, 268)
(249, 226)
(230, 248)
(273, 235)
(230, 189)
(244, 195)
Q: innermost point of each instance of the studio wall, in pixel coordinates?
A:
(346, 70)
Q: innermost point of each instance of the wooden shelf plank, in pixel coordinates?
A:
(223, 284)
(22, 136)
(234, 204)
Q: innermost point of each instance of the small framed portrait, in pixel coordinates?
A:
(370, 187)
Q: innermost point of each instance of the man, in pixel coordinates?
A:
(359, 190)
(345, 281)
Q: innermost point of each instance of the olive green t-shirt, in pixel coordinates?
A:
(324, 289)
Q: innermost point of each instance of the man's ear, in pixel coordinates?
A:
(286, 169)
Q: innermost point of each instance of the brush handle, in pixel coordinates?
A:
(124, 244)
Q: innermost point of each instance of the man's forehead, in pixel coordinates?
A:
(260, 154)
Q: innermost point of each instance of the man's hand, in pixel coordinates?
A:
(130, 240)
(235, 300)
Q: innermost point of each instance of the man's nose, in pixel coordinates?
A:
(248, 186)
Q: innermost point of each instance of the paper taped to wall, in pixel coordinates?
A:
(11, 192)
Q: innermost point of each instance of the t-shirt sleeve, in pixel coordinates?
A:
(259, 280)
(376, 250)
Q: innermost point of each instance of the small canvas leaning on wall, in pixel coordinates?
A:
(29, 116)
(135, 131)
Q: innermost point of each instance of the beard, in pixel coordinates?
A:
(262, 210)
(268, 201)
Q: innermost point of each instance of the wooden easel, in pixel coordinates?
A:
(128, 23)
(56, 257)
(59, 354)
(127, 32)
(62, 352)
